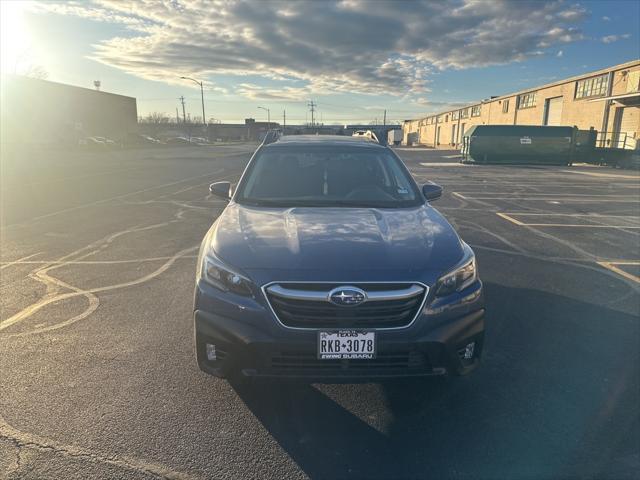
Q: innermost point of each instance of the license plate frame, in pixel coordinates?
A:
(349, 341)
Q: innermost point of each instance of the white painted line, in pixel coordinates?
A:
(89, 262)
(509, 217)
(565, 200)
(607, 195)
(443, 164)
(591, 215)
(579, 225)
(607, 175)
(18, 261)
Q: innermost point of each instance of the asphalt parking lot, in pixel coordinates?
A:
(98, 377)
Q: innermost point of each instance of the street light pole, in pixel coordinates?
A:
(204, 118)
(268, 117)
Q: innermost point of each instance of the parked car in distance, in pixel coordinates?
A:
(107, 141)
(365, 134)
(96, 143)
(330, 264)
(140, 139)
(178, 141)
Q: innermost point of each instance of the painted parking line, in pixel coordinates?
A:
(539, 194)
(556, 198)
(607, 175)
(613, 266)
(443, 164)
(620, 219)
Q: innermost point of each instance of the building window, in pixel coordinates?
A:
(592, 87)
(464, 113)
(475, 111)
(455, 115)
(505, 106)
(526, 100)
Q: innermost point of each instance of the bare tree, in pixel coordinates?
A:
(156, 118)
(35, 71)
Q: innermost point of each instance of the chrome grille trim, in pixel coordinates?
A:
(295, 294)
(322, 295)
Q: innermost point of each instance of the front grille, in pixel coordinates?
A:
(297, 362)
(318, 312)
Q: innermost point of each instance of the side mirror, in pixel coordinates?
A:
(431, 191)
(221, 189)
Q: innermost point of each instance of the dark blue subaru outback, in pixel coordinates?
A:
(329, 264)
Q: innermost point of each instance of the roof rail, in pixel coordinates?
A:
(271, 137)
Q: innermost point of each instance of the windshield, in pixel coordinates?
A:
(354, 177)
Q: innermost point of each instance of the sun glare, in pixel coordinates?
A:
(14, 37)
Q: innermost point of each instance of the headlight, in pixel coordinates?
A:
(457, 280)
(224, 278)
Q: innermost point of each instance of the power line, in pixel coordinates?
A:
(184, 116)
(312, 106)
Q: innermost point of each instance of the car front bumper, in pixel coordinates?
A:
(246, 349)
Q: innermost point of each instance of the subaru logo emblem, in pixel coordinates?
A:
(347, 296)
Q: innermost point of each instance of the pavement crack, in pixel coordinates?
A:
(22, 440)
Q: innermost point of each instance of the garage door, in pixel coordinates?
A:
(553, 111)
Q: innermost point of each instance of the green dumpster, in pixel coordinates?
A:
(520, 144)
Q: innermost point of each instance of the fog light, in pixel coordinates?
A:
(468, 351)
(211, 352)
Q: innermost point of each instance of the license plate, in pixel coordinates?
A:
(346, 344)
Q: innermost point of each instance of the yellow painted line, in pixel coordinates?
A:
(612, 266)
(460, 195)
(511, 219)
(610, 175)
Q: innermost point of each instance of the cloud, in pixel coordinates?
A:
(606, 19)
(615, 38)
(339, 46)
(560, 53)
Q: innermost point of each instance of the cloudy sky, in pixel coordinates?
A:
(354, 58)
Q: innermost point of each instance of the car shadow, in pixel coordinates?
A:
(554, 397)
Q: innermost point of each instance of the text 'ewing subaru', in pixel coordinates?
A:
(330, 264)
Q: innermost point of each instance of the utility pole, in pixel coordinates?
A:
(177, 116)
(284, 121)
(312, 105)
(184, 115)
(384, 122)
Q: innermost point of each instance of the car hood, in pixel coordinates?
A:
(335, 239)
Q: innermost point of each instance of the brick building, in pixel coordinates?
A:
(606, 100)
(41, 112)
